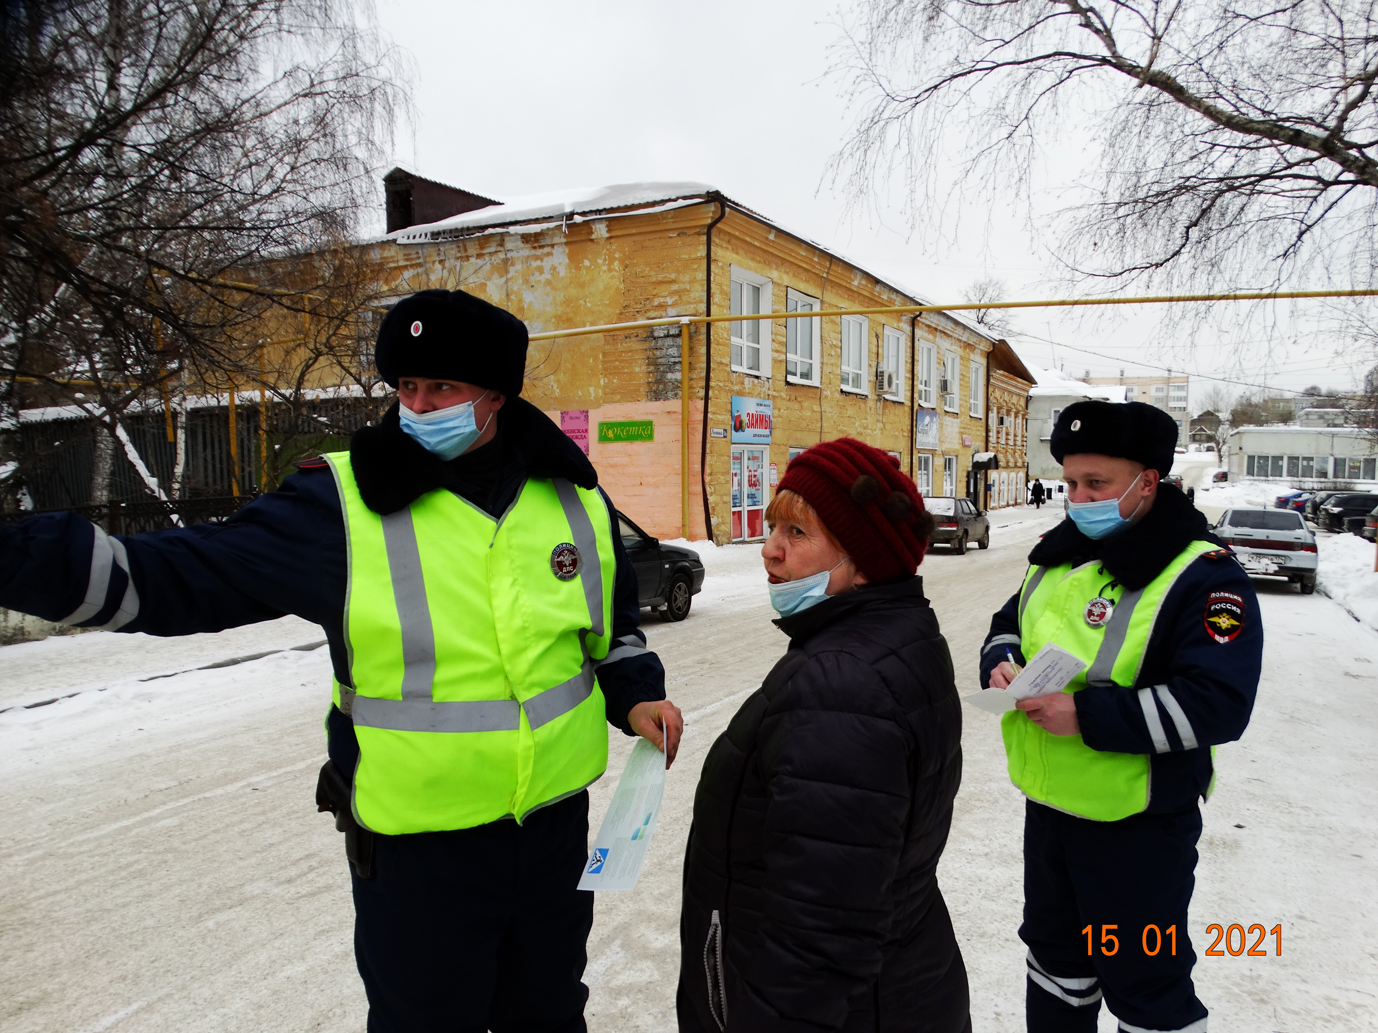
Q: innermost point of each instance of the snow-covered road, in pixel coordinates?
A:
(163, 866)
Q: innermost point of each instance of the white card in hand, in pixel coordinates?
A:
(619, 849)
(1051, 670)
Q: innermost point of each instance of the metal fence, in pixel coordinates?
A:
(56, 457)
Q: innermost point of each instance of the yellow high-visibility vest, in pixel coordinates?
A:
(472, 646)
(1061, 770)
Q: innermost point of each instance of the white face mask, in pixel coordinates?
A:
(791, 597)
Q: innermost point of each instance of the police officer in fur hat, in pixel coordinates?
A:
(482, 622)
(1135, 586)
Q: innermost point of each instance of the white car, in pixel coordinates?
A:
(1274, 542)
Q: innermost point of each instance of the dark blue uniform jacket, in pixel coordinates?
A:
(1202, 687)
(285, 553)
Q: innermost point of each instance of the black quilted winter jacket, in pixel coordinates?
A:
(810, 895)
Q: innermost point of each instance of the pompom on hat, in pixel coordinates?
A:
(864, 500)
(450, 335)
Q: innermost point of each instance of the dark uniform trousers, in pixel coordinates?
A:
(1131, 874)
(478, 929)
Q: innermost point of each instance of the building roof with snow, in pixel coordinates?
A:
(1055, 383)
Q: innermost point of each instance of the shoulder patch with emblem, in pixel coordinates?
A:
(311, 464)
(1217, 554)
(1224, 616)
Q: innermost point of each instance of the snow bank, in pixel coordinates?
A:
(1346, 574)
(1248, 492)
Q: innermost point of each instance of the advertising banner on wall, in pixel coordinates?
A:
(751, 420)
(925, 429)
(575, 423)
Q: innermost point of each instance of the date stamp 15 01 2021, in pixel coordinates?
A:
(1233, 938)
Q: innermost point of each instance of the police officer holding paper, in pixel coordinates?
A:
(1136, 587)
(482, 623)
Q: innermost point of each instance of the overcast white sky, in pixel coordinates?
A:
(536, 95)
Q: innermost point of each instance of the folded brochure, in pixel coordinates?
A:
(619, 849)
(1051, 670)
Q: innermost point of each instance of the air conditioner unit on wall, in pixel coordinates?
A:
(943, 386)
(885, 381)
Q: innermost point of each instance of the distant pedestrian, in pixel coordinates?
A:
(1191, 496)
(810, 893)
(1039, 493)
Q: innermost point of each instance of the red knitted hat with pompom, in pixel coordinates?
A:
(865, 502)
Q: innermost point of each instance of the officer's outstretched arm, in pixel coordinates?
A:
(283, 553)
(1210, 636)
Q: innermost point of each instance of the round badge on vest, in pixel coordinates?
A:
(564, 561)
(1098, 611)
(416, 328)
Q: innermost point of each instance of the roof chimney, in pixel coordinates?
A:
(414, 200)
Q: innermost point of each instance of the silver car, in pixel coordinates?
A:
(1274, 542)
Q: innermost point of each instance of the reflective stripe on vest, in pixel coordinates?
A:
(1062, 771)
(500, 628)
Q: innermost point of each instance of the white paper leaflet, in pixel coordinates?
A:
(1051, 669)
(619, 849)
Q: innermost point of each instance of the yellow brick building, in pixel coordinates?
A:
(1008, 429)
(758, 392)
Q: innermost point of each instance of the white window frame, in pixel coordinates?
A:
(952, 373)
(793, 301)
(860, 326)
(975, 396)
(927, 373)
(746, 276)
(892, 358)
(923, 473)
(950, 476)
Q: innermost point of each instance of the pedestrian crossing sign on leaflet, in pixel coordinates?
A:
(596, 861)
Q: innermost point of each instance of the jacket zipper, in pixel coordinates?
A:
(713, 969)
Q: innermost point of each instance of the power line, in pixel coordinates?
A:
(1170, 369)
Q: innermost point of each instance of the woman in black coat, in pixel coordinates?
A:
(810, 896)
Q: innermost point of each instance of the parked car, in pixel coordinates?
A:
(1370, 530)
(1313, 508)
(1347, 504)
(1355, 524)
(1298, 502)
(959, 523)
(1284, 500)
(667, 576)
(1220, 476)
(1271, 543)
(1175, 479)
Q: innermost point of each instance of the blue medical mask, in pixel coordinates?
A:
(791, 597)
(1102, 519)
(445, 432)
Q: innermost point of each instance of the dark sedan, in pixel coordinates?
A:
(959, 523)
(1312, 511)
(667, 576)
(1338, 507)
